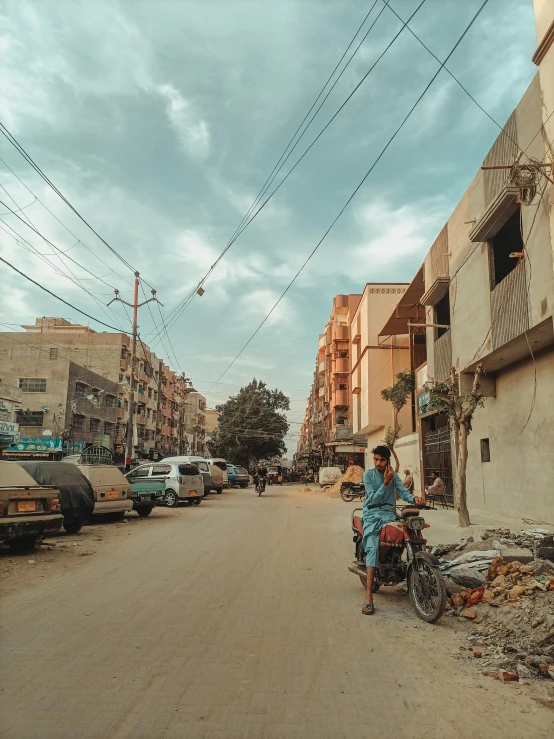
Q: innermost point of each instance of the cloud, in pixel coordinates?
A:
(192, 132)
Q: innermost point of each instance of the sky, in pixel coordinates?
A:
(161, 122)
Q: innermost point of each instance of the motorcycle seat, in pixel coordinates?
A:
(358, 525)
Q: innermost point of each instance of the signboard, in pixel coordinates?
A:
(423, 403)
(32, 444)
(75, 447)
(9, 432)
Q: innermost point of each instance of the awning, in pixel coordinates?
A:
(408, 309)
(348, 449)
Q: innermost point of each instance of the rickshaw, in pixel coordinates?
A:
(275, 475)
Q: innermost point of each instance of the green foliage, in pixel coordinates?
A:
(251, 426)
(398, 396)
(445, 397)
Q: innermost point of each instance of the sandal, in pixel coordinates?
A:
(368, 609)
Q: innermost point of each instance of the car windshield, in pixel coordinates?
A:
(221, 465)
(241, 471)
(188, 469)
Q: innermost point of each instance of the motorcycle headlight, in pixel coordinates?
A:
(415, 523)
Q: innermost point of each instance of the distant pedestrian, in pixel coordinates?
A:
(408, 480)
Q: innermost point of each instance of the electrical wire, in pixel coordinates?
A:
(178, 311)
(369, 171)
(9, 136)
(82, 312)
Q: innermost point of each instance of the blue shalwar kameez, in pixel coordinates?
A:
(375, 518)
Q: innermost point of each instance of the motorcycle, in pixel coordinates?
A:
(426, 586)
(351, 490)
(260, 484)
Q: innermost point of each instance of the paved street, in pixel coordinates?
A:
(234, 619)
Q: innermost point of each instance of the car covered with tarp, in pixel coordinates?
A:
(76, 492)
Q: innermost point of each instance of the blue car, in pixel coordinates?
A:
(238, 476)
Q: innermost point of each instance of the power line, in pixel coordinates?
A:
(69, 231)
(372, 167)
(5, 132)
(82, 312)
(178, 311)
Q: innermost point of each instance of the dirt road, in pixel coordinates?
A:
(236, 618)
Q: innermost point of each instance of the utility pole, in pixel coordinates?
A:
(135, 305)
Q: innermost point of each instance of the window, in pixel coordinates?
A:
(53, 353)
(81, 390)
(342, 354)
(111, 401)
(188, 469)
(32, 385)
(95, 425)
(149, 392)
(109, 428)
(139, 472)
(161, 469)
(485, 451)
(343, 386)
(29, 418)
(504, 243)
(78, 422)
(442, 314)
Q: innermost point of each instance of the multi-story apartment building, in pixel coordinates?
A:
(108, 355)
(195, 423)
(63, 407)
(212, 423)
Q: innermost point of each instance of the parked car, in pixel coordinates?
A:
(182, 481)
(28, 512)
(218, 481)
(112, 492)
(76, 493)
(238, 476)
(202, 465)
(147, 490)
(222, 465)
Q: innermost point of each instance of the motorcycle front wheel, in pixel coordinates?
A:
(426, 589)
(346, 496)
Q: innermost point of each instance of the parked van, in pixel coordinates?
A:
(222, 465)
(202, 465)
(28, 511)
(183, 481)
(112, 492)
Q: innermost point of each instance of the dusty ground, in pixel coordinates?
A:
(233, 619)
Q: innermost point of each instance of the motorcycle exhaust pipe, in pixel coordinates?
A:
(356, 570)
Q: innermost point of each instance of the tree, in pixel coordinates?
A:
(251, 426)
(398, 396)
(445, 397)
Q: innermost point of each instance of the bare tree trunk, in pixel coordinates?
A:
(396, 460)
(460, 483)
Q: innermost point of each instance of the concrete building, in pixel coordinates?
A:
(10, 403)
(212, 423)
(375, 360)
(63, 406)
(486, 304)
(195, 423)
(158, 390)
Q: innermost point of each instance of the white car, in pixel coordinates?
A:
(183, 481)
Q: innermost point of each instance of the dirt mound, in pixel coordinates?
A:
(352, 474)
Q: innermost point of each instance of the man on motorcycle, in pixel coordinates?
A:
(380, 484)
(261, 472)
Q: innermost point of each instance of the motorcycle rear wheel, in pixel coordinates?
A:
(427, 590)
(347, 497)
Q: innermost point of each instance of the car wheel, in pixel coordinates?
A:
(144, 511)
(72, 526)
(244, 485)
(197, 501)
(171, 499)
(219, 490)
(119, 516)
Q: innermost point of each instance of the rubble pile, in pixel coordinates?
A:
(504, 586)
(352, 474)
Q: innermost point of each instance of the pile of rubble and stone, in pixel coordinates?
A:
(504, 586)
(352, 474)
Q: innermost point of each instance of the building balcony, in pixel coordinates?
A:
(123, 365)
(342, 365)
(340, 397)
(340, 333)
(321, 367)
(140, 420)
(121, 413)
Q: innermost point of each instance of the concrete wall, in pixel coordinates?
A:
(518, 479)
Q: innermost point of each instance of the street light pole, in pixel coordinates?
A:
(135, 305)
